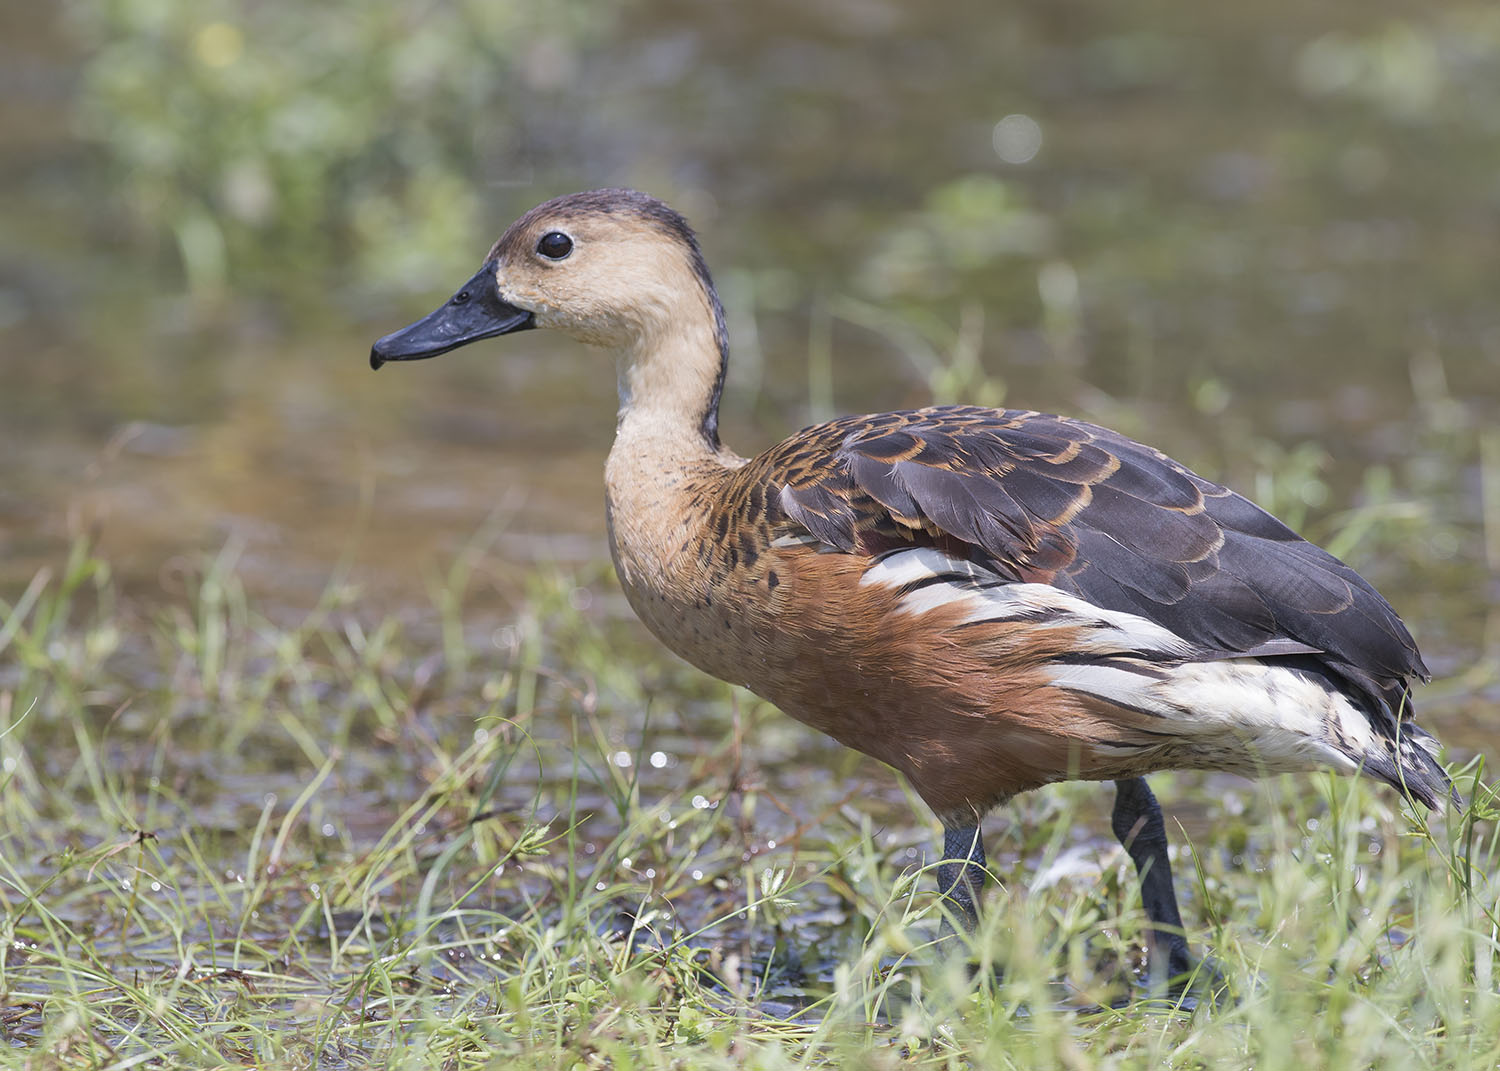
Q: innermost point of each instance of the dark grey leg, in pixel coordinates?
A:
(1137, 822)
(961, 872)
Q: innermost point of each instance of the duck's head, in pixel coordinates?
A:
(612, 268)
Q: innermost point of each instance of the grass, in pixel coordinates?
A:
(324, 840)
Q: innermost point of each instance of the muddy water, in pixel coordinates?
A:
(1263, 237)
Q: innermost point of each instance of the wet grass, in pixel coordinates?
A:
(328, 839)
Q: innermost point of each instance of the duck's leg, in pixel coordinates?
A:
(1138, 823)
(961, 871)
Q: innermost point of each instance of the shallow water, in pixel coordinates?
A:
(1263, 238)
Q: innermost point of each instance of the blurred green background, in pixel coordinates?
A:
(1264, 237)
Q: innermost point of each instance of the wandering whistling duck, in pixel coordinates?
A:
(987, 600)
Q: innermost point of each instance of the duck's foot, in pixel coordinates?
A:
(1174, 975)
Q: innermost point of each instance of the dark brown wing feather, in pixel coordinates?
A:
(1046, 499)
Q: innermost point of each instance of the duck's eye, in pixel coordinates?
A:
(555, 245)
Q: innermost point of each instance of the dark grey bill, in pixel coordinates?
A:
(477, 311)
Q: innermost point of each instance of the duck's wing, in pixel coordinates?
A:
(1044, 499)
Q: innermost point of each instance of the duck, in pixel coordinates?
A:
(986, 600)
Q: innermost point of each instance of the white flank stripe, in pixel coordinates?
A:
(1117, 686)
(1265, 717)
(1251, 696)
(1123, 631)
(1105, 631)
(1281, 718)
(934, 595)
(905, 566)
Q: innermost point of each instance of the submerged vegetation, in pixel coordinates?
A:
(461, 859)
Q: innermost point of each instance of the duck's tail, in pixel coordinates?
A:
(1410, 764)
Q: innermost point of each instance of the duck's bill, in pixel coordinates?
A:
(475, 312)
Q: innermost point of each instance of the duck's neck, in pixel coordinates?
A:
(666, 465)
(670, 377)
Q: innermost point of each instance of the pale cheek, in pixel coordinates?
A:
(522, 296)
(592, 332)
